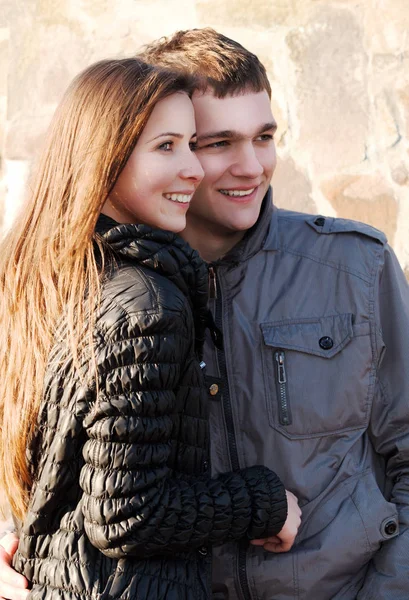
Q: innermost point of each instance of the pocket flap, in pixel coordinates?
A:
(324, 336)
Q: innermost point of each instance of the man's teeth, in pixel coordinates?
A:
(237, 192)
(182, 198)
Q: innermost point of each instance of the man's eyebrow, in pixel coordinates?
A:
(268, 126)
(226, 133)
(231, 134)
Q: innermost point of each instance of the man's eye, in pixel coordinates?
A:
(167, 146)
(265, 137)
(193, 146)
(219, 144)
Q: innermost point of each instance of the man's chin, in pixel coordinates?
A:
(240, 226)
(245, 220)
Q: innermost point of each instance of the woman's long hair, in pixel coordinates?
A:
(48, 265)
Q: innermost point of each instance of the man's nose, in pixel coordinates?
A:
(247, 163)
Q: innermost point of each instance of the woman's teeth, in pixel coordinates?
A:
(182, 198)
(237, 192)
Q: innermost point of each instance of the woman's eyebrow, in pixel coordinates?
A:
(167, 133)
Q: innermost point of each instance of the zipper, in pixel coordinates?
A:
(212, 283)
(242, 571)
(228, 413)
(216, 295)
(283, 401)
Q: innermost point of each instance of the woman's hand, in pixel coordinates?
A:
(283, 541)
(13, 586)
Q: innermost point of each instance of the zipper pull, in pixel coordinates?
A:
(284, 410)
(282, 376)
(212, 283)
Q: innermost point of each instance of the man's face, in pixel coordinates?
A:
(237, 152)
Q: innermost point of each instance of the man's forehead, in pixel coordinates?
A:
(240, 112)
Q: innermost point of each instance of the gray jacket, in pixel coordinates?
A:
(314, 383)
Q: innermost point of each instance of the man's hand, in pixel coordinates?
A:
(283, 541)
(13, 586)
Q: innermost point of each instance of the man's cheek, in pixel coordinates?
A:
(212, 167)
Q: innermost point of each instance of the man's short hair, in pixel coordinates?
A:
(219, 62)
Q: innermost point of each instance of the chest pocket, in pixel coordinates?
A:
(317, 375)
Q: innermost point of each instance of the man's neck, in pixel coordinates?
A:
(211, 245)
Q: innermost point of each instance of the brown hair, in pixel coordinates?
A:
(48, 266)
(221, 63)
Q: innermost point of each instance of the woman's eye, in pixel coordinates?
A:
(165, 146)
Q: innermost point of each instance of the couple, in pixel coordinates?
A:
(310, 380)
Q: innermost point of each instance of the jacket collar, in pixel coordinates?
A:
(162, 251)
(262, 236)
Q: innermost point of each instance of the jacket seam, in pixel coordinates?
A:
(64, 588)
(304, 320)
(323, 434)
(137, 337)
(309, 350)
(328, 263)
(139, 467)
(135, 364)
(374, 376)
(368, 544)
(58, 559)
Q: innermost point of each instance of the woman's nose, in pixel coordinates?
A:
(193, 170)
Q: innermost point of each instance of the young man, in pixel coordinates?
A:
(313, 378)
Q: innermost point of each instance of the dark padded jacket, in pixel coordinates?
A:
(123, 505)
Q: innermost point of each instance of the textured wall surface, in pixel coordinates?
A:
(339, 72)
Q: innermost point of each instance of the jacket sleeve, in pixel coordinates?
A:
(132, 502)
(387, 576)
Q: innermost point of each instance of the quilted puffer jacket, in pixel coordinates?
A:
(123, 504)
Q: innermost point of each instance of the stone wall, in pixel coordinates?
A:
(339, 72)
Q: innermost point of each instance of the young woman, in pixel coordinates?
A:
(104, 435)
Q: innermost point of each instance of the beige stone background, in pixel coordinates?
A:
(339, 71)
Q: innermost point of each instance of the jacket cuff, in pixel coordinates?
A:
(269, 502)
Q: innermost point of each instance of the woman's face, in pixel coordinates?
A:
(162, 173)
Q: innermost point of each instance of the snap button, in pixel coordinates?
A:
(203, 551)
(326, 342)
(206, 465)
(213, 389)
(320, 221)
(390, 528)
